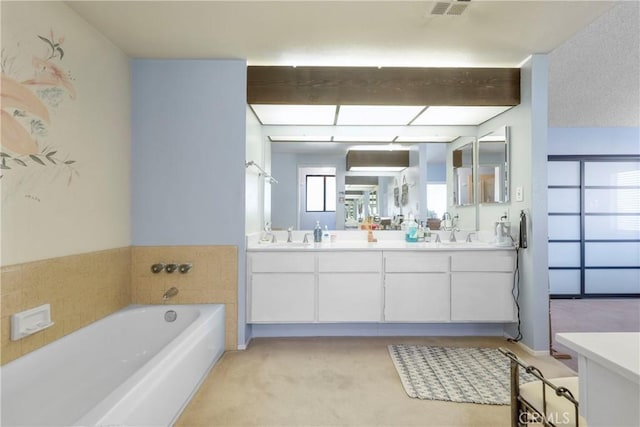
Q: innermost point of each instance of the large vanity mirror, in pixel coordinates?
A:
(463, 188)
(361, 199)
(493, 167)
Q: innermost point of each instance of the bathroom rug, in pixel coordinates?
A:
(456, 374)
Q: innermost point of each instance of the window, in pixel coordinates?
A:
(436, 199)
(321, 193)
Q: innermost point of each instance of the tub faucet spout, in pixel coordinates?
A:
(171, 292)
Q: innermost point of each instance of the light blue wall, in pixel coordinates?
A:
(535, 259)
(284, 194)
(590, 140)
(528, 129)
(188, 138)
(436, 172)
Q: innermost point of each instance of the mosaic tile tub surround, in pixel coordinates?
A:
(87, 287)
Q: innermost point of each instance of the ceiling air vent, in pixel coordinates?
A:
(440, 8)
(450, 8)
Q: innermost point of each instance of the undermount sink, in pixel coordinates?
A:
(464, 244)
(287, 245)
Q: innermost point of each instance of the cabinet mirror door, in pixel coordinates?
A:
(493, 167)
(463, 188)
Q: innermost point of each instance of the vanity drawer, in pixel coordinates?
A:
(283, 262)
(483, 261)
(362, 262)
(415, 262)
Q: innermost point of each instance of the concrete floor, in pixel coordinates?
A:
(342, 381)
(592, 315)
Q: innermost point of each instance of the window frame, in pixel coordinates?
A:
(324, 192)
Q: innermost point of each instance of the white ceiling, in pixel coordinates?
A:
(489, 33)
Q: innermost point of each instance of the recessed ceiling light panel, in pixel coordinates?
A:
(371, 115)
(377, 168)
(426, 138)
(380, 147)
(295, 114)
(363, 138)
(457, 116)
(299, 138)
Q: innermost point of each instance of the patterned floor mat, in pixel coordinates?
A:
(456, 374)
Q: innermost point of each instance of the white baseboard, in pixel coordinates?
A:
(536, 353)
(245, 345)
(376, 330)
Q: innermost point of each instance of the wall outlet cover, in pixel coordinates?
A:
(519, 194)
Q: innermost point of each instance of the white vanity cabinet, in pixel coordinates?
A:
(417, 287)
(399, 285)
(350, 286)
(481, 287)
(281, 287)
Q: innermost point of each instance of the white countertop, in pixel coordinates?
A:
(616, 351)
(387, 245)
(345, 240)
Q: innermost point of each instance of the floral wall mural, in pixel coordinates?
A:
(26, 101)
(65, 144)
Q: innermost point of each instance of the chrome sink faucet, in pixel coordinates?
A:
(306, 237)
(269, 236)
(289, 234)
(468, 240)
(452, 236)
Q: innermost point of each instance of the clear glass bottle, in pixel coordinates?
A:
(421, 232)
(326, 237)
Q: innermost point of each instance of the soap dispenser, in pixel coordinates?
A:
(317, 233)
(411, 231)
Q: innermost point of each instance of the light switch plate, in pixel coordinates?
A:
(519, 195)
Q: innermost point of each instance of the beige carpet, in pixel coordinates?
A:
(331, 382)
(592, 315)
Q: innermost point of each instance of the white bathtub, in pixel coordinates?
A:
(132, 368)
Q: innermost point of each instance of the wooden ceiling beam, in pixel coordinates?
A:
(377, 158)
(383, 86)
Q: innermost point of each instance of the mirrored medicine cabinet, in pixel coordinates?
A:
(481, 170)
(463, 184)
(493, 167)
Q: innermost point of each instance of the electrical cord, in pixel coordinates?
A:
(515, 292)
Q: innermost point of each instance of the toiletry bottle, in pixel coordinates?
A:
(421, 232)
(411, 234)
(499, 236)
(326, 237)
(317, 233)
